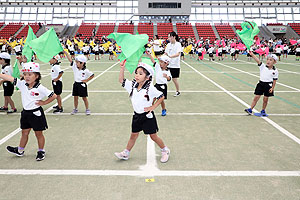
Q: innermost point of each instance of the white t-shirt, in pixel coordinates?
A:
(138, 100)
(171, 50)
(96, 48)
(31, 95)
(266, 74)
(7, 70)
(210, 50)
(17, 48)
(86, 49)
(71, 47)
(232, 50)
(55, 71)
(156, 45)
(298, 49)
(278, 50)
(80, 75)
(160, 79)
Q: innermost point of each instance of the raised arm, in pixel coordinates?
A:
(254, 57)
(122, 69)
(150, 56)
(7, 77)
(68, 56)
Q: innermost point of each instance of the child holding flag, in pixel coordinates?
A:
(32, 116)
(142, 94)
(8, 87)
(81, 77)
(267, 82)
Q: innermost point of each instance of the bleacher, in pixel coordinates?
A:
(185, 30)
(274, 24)
(237, 26)
(105, 29)
(146, 28)
(163, 29)
(86, 30)
(125, 28)
(205, 31)
(295, 27)
(10, 29)
(1, 24)
(23, 33)
(225, 29)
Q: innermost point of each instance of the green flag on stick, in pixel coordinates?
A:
(27, 51)
(46, 46)
(16, 72)
(132, 47)
(250, 30)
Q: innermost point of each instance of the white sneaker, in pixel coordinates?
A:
(122, 155)
(165, 155)
(74, 111)
(87, 112)
(177, 94)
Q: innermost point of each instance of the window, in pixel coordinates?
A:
(199, 10)
(11, 9)
(42, 10)
(41, 17)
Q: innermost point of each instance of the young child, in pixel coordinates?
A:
(72, 50)
(142, 94)
(96, 52)
(56, 75)
(110, 50)
(32, 116)
(200, 53)
(278, 51)
(163, 76)
(297, 50)
(285, 51)
(86, 51)
(232, 53)
(267, 82)
(8, 87)
(81, 77)
(210, 52)
(220, 53)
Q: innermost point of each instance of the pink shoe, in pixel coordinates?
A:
(122, 155)
(165, 155)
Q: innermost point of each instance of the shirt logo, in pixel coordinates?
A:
(83, 74)
(273, 73)
(34, 94)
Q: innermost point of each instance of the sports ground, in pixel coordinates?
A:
(218, 152)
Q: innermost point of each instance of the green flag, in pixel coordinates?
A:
(46, 46)
(132, 47)
(250, 30)
(148, 61)
(27, 51)
(16, 72)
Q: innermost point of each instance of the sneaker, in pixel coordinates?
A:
(14, 150)
(58, 110)
(3, 109)
(74, 111)
(122, 155)
(263, 113)
(177, 94)
(55, 107)
(87, 112)
(249, 111)
(164, 112)
(40, 155)
(165, 155)
(12, 111)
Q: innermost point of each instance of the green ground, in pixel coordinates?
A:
(206, 130)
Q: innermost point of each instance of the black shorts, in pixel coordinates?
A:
(262, 88)
(211, 55)
(101, 52)
(237, 52)
(223, 51)
(233, 54)
(72, 53)
(34, 119)
(19, 53)
(181, 54)
(285, 51)
(85, 53)
(278, 54)
(111, 53)
(191, 52)
(97, 53)
(57, 87)
(80, 89)
(199, 54)
(220, 54)
(157, 53)
(140, 122)
(163, 88)
(175, 72)
(297, 53)
(8, 88)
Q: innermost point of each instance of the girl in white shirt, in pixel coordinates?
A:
(142, 94)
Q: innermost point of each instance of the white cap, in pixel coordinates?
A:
(165, 58)
(147, 67)
(57, 57)
(81, 58)
(272, 56)
(31, 67)
(5, 55)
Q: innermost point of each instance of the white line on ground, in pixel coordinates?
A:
(3, 140)
(182, 91)
(155, 173)
(151, 166)
(282, 130)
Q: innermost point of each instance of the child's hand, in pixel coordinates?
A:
(40, 103)
(165, 75)
(148, 109)
(147, 53)
(122, 64)
(271, 90)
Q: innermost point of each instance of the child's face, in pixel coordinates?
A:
(270, 61)
(171, 38)
(2, 61)
(79, 64)
(30, 77)
(52, 61)
(163, 65)
(140, 76)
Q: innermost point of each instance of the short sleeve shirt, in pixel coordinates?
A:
(55, 71)
(160, 79)
(266, 74)
(79, 74)
(173, 49)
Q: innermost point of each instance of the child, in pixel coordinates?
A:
(220, 53)
(18, 49)
(267, 82)
(285, 51)
(110, 50)
(8, 87)
(163, 75)
(86, 51)
(232, 53)
(278, 52)
(72, 50)
(200, 53)
(210, 52)
(248, 54)
(56, 75)
(32, 116)
(142, 94)
(81, 77)
(298, 53)
(96, 51)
